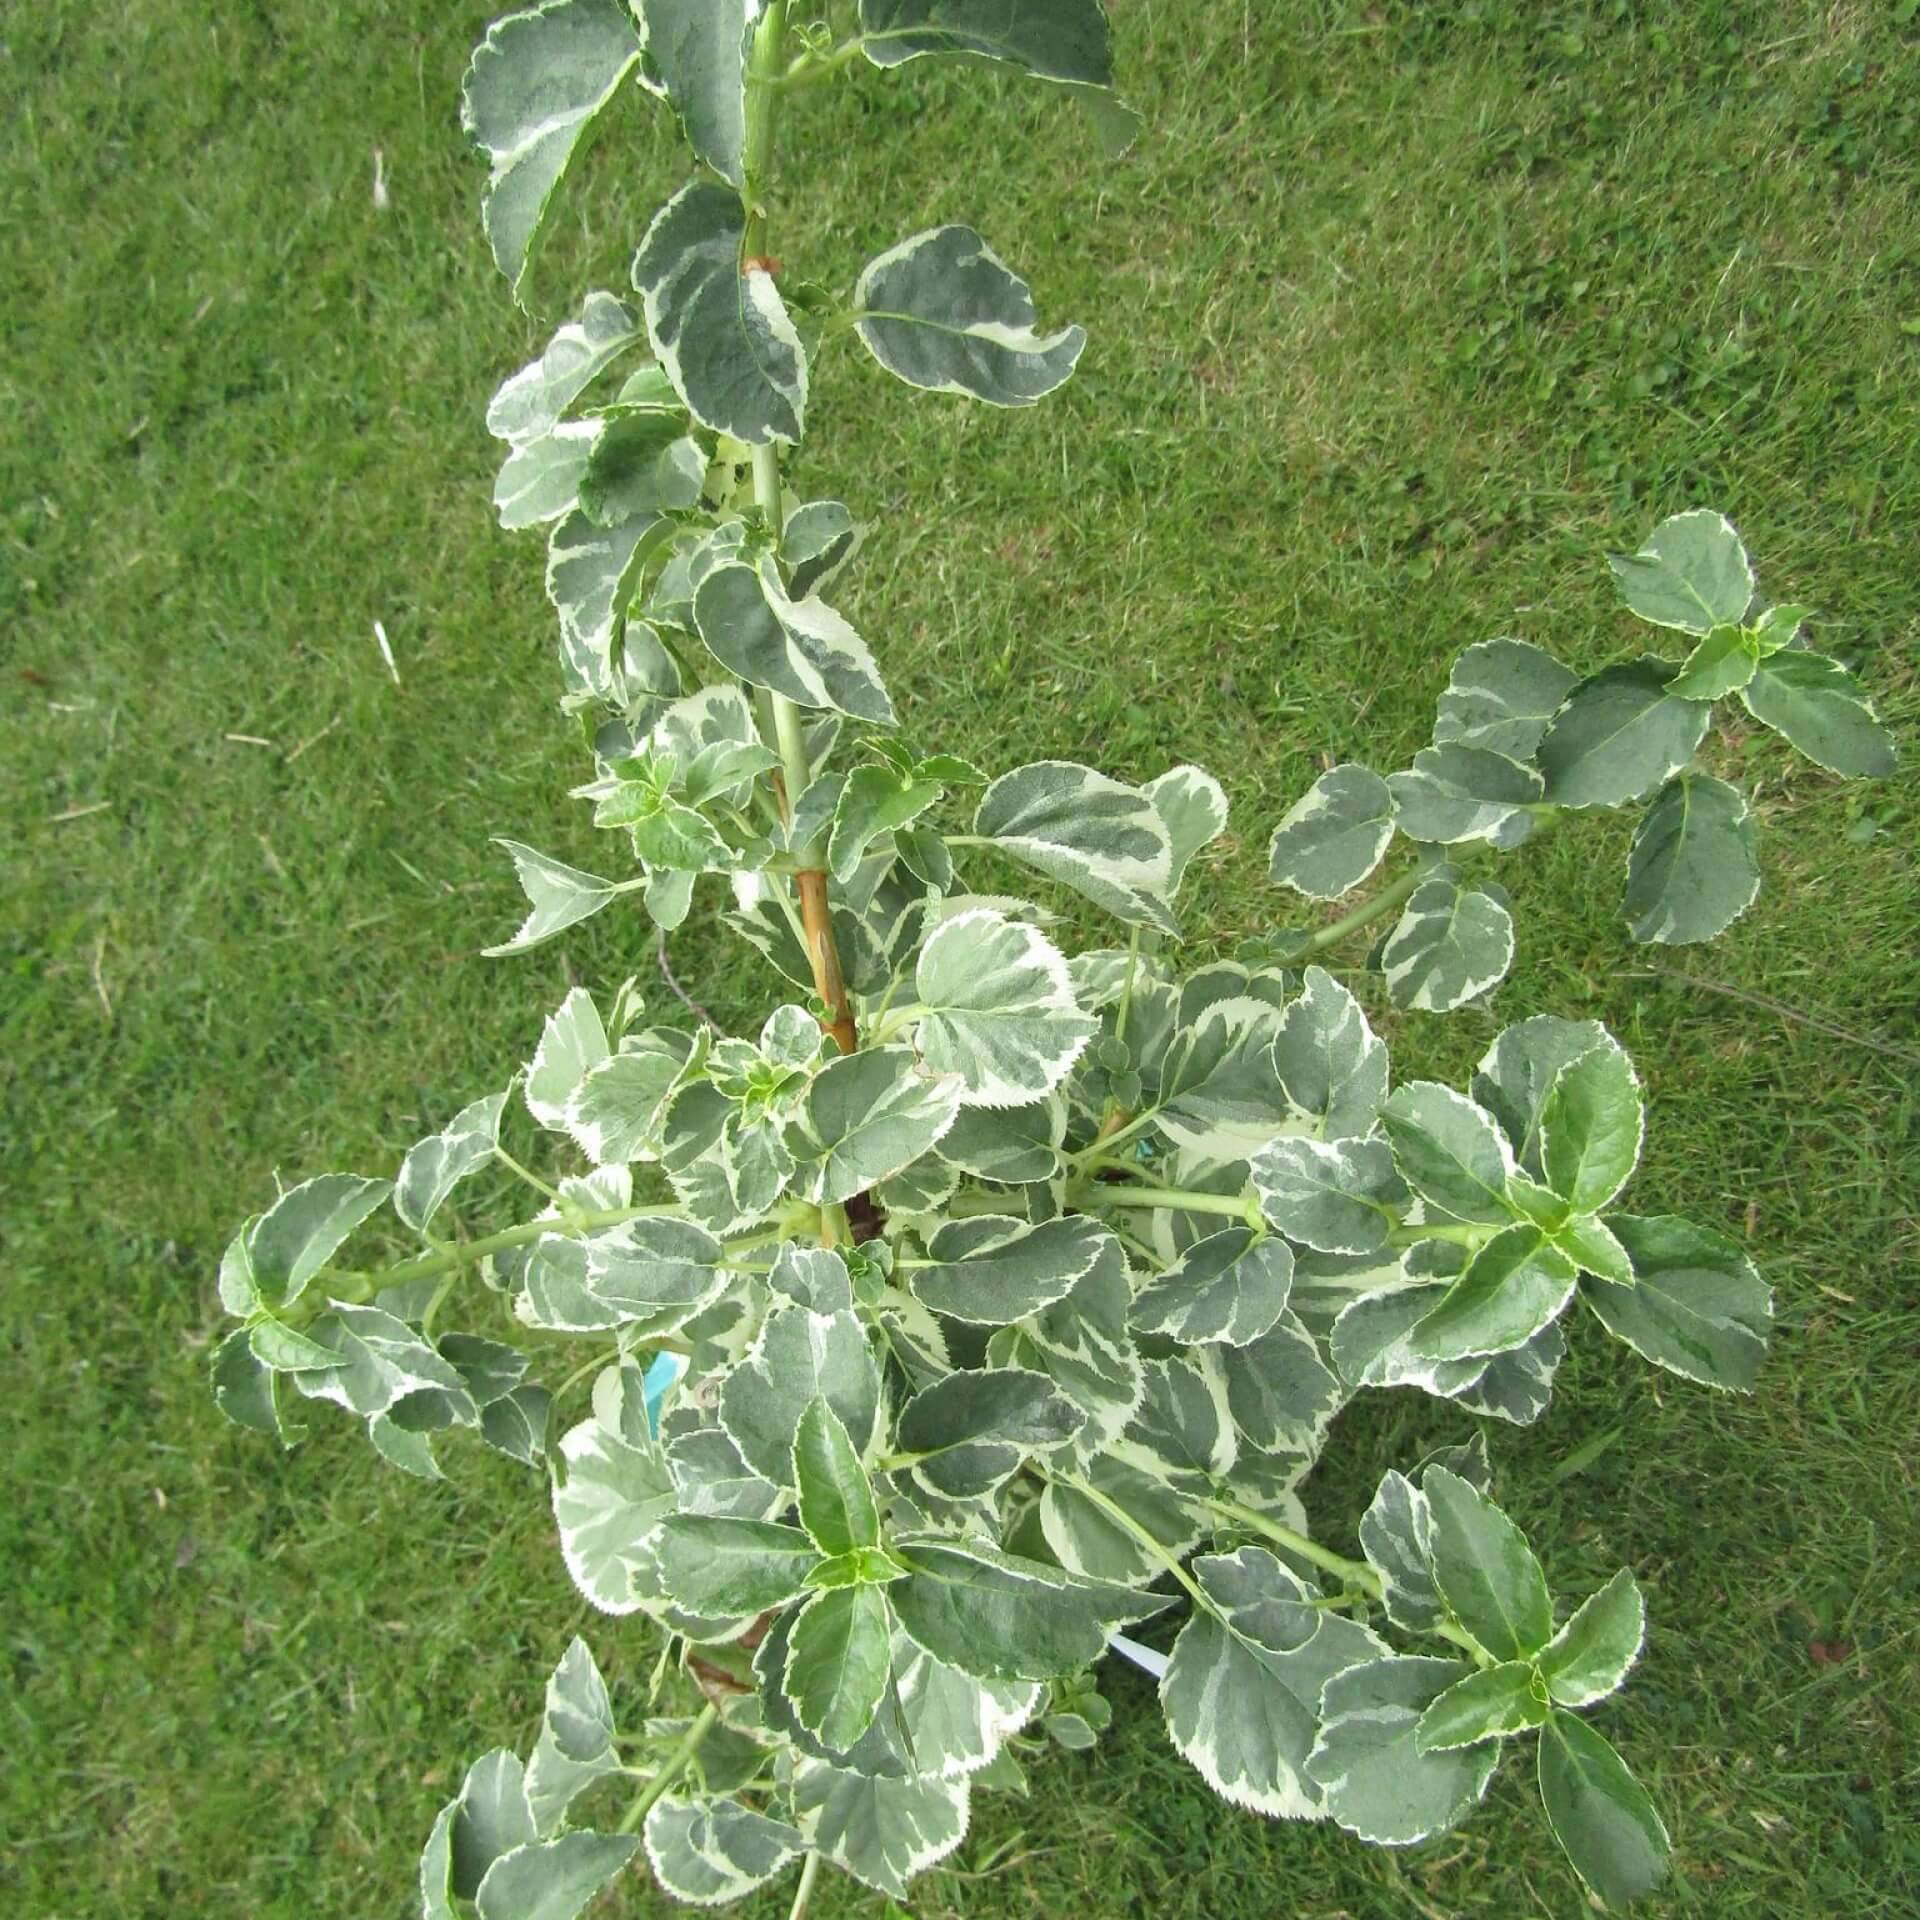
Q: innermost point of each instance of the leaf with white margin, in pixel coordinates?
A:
(572, 1042)
(1620, 734)
(1194, 806)
(875, 801)
(839, 1663)
(1517, 1072)
(972, 1430)
(553, 1879)
(516, 1424)
(576, 1743)
(1692, 574)
(1183, 1426)
(1083, 1345)
(797, 1356)
(559, 897)
(720, 329)
(802, 649)
(992, 1269)
(997, 1008)
(1698, 1306)
(1494, 1703)
(1591, 1124)
(1332, 1066)
(1518, 1386)
(1514, 1286)
(1015, 1145)
(658, 1272)
(1085, 1538)
(243, 1387)
(436, 1165)
(1220, 1098)
(1337, 1196)
(1096, 835)
(1280, 1391)
(644, 462)
(1450, 1151)
(1591, 1656)
(1600, 1813)
(1000, 1617)
(1722, 663)
(820, 537)
(1376, 1782)
(1819, 706)
(1695, 867)
(436, 1866)
(883, 1832)
(535, 84)
(1500, 696)
(1065, 42)
(835, 1496)
(943, 312)
(712, 1477)
(531, 402)
(709, 1853)
(491, 1818)
(1485, 1569)
(540, 480)
(1456, 793)
(591, 574)
(1230, 1286)
(1394, 1534)
(617, 1113)
(1241, 1691)
(731, 1568)
(1334, 835)
(304, 1228)
(1451, 944)
(868, 1116)
(699, 50)
(615, 1494)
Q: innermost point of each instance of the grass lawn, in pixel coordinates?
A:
(1403, 314)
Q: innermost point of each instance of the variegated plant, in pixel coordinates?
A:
(991, 1300)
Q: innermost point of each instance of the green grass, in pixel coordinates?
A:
(1403, 315)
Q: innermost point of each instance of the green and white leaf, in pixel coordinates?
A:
(1367, 1763)
(836, 1498)
(1722, 663)
(1694, 868)
(1331, 1065)
(533, 401)
(1451, 944)
(1242, 1688)
(1621, 734)
(1341, 1196)
(591, 576)
(1492, 1704)
(572, 1043)
(883, 1832)
(1591, 1656)
(1517, 1073)
(1518, 1283)
(1334, 835)
(553, 1879)
(535, 84)
(1014, 1145)
(1450, 1151)
(821, 536)
(868, 1116)
(659, 1273)
(1220, 1098)
(576, 1743)
(1698, 1306)
(491, 1818)
(1280, 1391)
(800, 648)
(840, 1662)
(1692, 574)
(1818, 705)
(727, 1569)
(1501, 695)
(712, 1477)
(1485, 1570)
(617, 1112)
(992, 1269)
(721, 331)
(1600, 1813)
(943, 312)
(1081, 1531)
(972, 1430)
(998, 1009)
(797, 1356)
(1193, 804)
(876, 801)
(559, 896)
(1395, 1534)
(699, 51)
(1455, 793)
(713, 1852)
(540, 479)
(615, 1493)
(644, 462)
(304, 1228)
(1591, 1124)
(1230, 1286)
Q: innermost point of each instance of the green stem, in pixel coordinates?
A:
(675, 1764)
(1090, 1197)
(1382, 904)
(1356, 1573)
(804, 1892)
(532, 1179)
(1128, 1524)
(1106, 1144)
